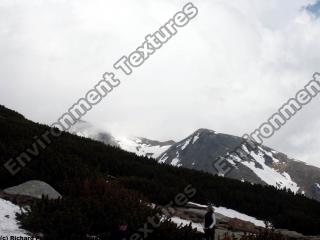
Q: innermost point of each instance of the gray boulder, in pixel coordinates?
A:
(34, 189)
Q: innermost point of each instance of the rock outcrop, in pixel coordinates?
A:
(35, 189)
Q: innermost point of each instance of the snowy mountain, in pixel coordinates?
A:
(138, 145)
(143, 146)
(200, 150)
(263, 165)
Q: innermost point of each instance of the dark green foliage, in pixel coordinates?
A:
(267, 234)
(168, 231)
(260, 236)
(70, 160)
(96, 209)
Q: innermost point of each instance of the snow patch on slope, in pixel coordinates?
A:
(137, 146)
(195, 138)
(233, 214)
(266, 173)
(183, 222)
(176, 161)
(191, 140)
(8, 222)
(163, 158)
(186, 143)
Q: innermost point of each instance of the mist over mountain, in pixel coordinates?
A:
(139, 145)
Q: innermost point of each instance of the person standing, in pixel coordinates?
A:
(210, 223)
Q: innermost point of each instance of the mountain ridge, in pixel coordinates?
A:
(263, 165)
(200, 150)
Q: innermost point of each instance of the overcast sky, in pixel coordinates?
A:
(228, 70)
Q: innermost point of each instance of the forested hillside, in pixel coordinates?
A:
(71, 161)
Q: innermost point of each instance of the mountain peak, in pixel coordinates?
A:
(204, 130)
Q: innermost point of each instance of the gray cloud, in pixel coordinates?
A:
(229, 70)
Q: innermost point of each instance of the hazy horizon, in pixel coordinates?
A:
(228, 70)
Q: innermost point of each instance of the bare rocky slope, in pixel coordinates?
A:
(262, 165)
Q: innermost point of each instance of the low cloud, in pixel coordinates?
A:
(228, 70)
